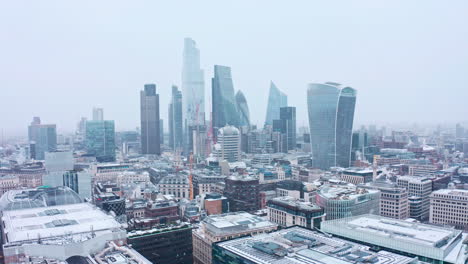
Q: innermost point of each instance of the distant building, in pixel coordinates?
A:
(42, 137)
(243, 193)
(224, 102)
(341, 201)
(223, 227)
(449, 207)
(331, 114)
(419, 189)
(8, 183)
(98, 114)
(301, 246)
(193, 85)
(228, 144)
(30, 175)
(150, 130)
(176, 133)
(288, 211)
(243, 109)
(428, 243)
(59, 161)
(100, 140)
(164, 245)
(276, 100)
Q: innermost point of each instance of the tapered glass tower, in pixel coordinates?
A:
(331, 114)
(276, 100)
(224, 102)
(193, 85)
(243, 109)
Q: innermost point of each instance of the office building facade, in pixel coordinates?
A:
(243, 108)
(331, 114)
(175, 120)
(276, 100)
(449, 207)
(42, 137)
(100, 140)
(150, 128)
(223, 100)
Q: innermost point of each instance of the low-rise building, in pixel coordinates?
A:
(429, 243)
(176, 185)
(449, 207)
(288, 211)
(218, 228)
(419, 189)
(340, 200)
(301, 246)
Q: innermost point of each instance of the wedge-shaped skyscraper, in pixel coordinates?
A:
(243, 109)
(331, 114)
(224, 102)
(276, 100)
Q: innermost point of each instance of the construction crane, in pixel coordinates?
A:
(190, 178)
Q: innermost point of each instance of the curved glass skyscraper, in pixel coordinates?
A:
(331, 114)
(243, 109)
(224, 102)
(276, 100)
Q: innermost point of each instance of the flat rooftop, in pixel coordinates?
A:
(56, 221)
(343, 192)
(236, 222)
(415, 238)
(298, 245)
(293, 202)
(453, 192)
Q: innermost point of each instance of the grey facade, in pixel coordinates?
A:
(286, 125)
(43, 137)
(331, 114)
(276, 100)
(243, 109)
(224, 102)
(150, 128)
(175, 120)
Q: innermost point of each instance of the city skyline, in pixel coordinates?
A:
(419, 58)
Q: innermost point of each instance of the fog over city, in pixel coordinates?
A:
(408, 60)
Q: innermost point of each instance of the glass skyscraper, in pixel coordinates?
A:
(175, 120)
(43, 137)
(193, 84)
(100, 140)
(276, 100)
(224, 102)
(243, 109)
(150, 128)
(331, 114)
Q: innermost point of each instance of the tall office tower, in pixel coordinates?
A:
(459, 131)
(149, 103)
(193, 84)
(98, 114)
(42, 137)
(331, 114)
(78, 181)
(100, 140)
(288, 120)
(175, 120)
(229, 145)
(276, 100)
(243, 109)
(224, 101)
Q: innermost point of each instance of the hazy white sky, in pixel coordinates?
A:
(407, 59)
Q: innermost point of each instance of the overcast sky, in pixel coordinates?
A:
(407, 59)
